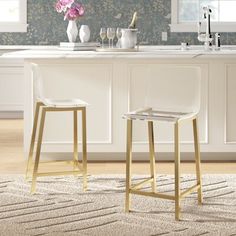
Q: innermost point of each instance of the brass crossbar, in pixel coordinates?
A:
(152, 194)
(190, 190)
(59, 173)
(76, 163)
(134, 190)
(139, 185)
(57, 161)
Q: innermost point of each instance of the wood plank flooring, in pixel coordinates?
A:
(12, 157)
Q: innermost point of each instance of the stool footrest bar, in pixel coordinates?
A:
(59, 173)
(190, 190)
(152, 194)
(139, 185)
(77, 164)
(57, 161)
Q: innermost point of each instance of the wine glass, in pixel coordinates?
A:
(118, 35)
(113, 35)
(109, 36)
(103, 34)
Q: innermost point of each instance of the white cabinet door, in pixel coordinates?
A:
(11, 88)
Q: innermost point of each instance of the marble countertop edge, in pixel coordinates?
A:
(145, 52)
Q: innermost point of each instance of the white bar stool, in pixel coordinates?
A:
(51, 105)
(166, 101)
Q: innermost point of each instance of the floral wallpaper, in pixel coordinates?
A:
(47, 27)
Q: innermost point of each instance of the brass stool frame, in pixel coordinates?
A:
(135, 189)
(78, 169)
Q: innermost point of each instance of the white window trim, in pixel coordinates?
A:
(21, 25)
(175, 26)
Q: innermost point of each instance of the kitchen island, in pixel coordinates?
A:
(113, 83)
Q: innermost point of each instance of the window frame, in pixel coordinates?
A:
(175, 26)
(21, 25)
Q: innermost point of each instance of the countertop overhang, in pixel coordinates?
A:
(145, 52)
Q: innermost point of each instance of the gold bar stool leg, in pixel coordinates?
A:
(84, 141)
(31, 151)
(152, 155)
(198, 160)
(75, 140)
(42, 120)
(128, 164)
(177, 173)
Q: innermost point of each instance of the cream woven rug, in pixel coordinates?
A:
(61, 208)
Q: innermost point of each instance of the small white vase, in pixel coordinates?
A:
(72, 31)
(84, 33)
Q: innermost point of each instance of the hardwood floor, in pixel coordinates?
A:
(11, 146)
(12, 157)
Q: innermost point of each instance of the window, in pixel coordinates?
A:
(13, 15)
(186, 13)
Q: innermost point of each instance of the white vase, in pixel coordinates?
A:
(84, 33)
(72, 31)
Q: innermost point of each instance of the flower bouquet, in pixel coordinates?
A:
(72, 11)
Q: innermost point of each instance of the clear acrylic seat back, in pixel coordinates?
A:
(173, 88)
(38, 82)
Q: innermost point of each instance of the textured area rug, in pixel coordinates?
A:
(61, 208)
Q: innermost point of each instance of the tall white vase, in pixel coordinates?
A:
(84, 33)
(72, 31)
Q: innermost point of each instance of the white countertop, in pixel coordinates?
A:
(53, 52)
(26, 47)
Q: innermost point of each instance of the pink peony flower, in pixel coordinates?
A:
(59, 8)
(80, 8)
(74, 13)
(62, 5)
(66, 3)
(72, 10)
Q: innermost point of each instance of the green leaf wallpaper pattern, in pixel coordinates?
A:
(47, 27)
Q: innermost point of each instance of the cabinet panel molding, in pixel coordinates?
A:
(11, 88)
(230, 104)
